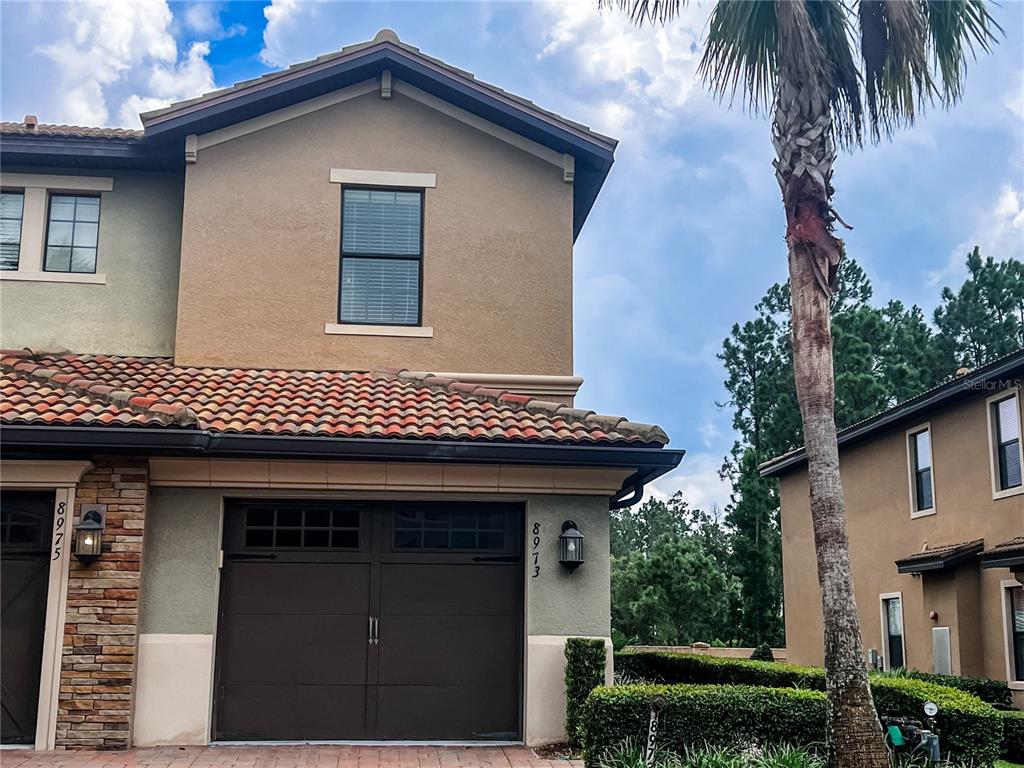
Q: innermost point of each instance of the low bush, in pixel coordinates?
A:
(716, 715)
(584, 671)
(1013, 736)
(992, 691)
(969, 729)
(631, 754)
(763, 652)
(713, 670)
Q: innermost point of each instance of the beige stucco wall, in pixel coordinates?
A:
(875, 483)
(260, 246)
(133, 313)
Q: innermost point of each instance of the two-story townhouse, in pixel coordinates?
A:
(289, 443)
(935, 518)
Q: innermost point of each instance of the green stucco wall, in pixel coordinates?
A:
(139, 250)
(180, 575)
(559, 602)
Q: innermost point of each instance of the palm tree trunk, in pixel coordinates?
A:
(802, 134)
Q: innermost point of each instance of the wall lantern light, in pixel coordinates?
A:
(89, 533)
(570, 546)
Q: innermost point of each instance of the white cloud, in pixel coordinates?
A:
(650, 68)
(1014, 100)
(998, 231)
(121, 53)
(172, 82)
(709, 433)
(286, 21)
(203, 20)
(697, 478)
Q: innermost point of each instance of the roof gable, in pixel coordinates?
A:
(166, 129)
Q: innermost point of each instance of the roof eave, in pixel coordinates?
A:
(43, 441)
(940, 562)
(949, 393)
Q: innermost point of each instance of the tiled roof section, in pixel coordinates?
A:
(67, 131)
(1012, 546)
(384, 36)
(95, 390)
(939, 556)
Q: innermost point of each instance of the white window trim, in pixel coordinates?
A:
(1004, 609)
(885, 627)
(408, 331)
(993, 456)
(911, 466)
(37, 188)
(383, 178)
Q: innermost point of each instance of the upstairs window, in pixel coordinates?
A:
(72, 233)
(1005, 420)
(381, 256)
(12, 205)
(922, 489)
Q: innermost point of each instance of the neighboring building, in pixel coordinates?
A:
(935, 515)
(303, 348)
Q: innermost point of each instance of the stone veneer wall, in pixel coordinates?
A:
(101, 625)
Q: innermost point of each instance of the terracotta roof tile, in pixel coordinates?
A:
(939, 556)
(97, 390)
(68, 131)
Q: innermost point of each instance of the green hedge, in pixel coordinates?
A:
(690, 668)
(1013, 736)
(584, 671)
(992, 691)
(718, 715)
(969, 729)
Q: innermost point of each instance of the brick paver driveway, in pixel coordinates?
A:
(303, 756)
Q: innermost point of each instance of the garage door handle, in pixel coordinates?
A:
(374, 637)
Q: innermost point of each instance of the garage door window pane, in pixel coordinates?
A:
(448, 527)
(294, 526)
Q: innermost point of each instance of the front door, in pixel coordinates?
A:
(343, 620)
(26, 525)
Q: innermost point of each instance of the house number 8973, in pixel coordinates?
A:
(535, 551)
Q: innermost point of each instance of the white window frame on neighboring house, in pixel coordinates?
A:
(1004, 596)
(882, 598)
(993, 454)
(911, 434)
(37, 189)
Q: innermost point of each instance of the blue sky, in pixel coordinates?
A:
(687, 233)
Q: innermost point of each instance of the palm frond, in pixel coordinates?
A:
(955, 27)
(740, 51)
(642, 11)
(835, 35)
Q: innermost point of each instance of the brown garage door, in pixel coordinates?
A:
(345, 620)
(26, 523)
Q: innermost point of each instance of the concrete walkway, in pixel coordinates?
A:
(300, 756)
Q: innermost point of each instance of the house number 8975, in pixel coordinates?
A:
(535, 552)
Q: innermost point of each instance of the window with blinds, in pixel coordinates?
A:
(11, 206)
(1007, 443)
(381, 257)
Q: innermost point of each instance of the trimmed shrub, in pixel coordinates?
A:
(1013, 736)
(968, 728)
(993, 691)
(763, 652)
(712, 670)
(717, 715)
(584, 671)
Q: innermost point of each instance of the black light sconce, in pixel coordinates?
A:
(89, 533)
(570, 546)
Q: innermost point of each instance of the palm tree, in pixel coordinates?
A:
(829, 71)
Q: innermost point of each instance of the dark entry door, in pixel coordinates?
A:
(370, 621)
(26, 525)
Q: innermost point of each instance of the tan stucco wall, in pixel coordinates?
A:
(260, 246)
(875, 483)
(133, 313)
